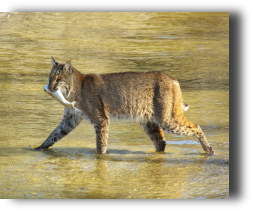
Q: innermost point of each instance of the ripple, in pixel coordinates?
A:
(182, 142)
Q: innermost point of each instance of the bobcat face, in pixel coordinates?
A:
(60, 77)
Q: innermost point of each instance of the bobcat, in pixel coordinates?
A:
(154, 99)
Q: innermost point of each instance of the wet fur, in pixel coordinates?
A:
(154, 99)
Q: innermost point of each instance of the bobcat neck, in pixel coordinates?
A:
(75, 86)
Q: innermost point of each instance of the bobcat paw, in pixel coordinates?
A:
(210, 151)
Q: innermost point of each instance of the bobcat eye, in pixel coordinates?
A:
(57, 80)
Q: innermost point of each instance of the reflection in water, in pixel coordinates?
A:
(192, 47)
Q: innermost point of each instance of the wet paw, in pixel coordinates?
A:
(37, 148)
(210, 151)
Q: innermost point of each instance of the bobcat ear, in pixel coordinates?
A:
(68, 67)
(54, 63)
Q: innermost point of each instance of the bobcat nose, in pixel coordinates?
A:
(51, 90)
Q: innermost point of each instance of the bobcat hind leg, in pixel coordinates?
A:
(155, 133)
(183, 126)
(203, 141)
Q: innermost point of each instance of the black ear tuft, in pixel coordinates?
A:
(54, 63)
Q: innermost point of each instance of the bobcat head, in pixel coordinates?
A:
(61, 77)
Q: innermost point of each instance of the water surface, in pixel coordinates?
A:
(192, 47)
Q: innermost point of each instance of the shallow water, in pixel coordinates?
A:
(192, 47)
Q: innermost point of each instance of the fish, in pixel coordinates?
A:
(60, 98)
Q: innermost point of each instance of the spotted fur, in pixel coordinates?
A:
(154, 99)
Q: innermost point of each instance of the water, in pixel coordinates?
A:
(192, 47)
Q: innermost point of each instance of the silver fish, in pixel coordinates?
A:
(59, 97)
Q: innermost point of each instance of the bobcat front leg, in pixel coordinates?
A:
(101, 128)
(69, 122)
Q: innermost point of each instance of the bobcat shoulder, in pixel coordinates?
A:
(154, 99)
